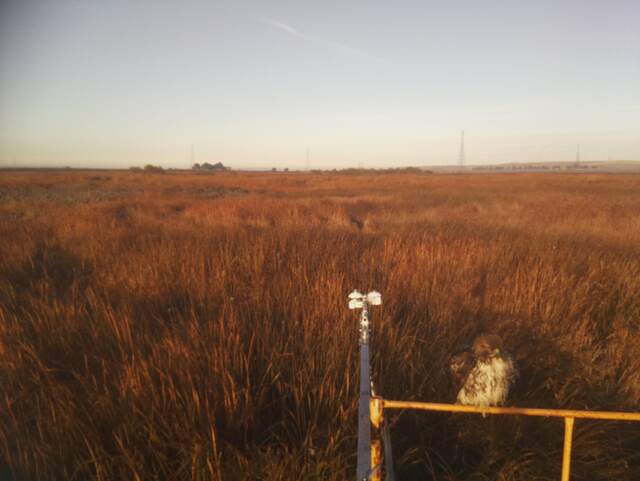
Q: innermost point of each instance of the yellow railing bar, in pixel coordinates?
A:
(566, 453)
(559, 413)
(569, 416)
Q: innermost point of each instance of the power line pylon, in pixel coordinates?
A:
(461, 154)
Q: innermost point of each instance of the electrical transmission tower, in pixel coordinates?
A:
(461, 154)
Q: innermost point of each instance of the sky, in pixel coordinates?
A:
(257, 84)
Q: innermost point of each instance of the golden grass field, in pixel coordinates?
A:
(195, 327)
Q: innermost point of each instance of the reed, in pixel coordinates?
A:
(194, 327)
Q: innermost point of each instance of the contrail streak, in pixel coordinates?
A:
(342, 48)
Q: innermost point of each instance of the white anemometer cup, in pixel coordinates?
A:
(357, 299)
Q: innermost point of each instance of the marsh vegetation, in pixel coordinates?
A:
(189, 327)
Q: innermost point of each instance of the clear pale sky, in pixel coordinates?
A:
(253, 84)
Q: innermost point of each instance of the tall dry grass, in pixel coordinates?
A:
(194, 327)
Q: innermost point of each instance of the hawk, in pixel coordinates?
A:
(484, 373)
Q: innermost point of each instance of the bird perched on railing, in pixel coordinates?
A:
(485, 373)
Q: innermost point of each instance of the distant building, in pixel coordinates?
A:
(217, 167)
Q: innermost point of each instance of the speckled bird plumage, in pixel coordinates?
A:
(486, 372)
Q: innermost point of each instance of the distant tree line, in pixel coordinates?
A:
(148, 169)
(217, 167)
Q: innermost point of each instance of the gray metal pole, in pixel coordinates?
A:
(364, 415)
(388, 452)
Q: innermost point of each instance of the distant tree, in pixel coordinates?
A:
(196, 166)
(274, 169)
(217, 167)
(153, 169)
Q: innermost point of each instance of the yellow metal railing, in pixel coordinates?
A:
(371, 409)
(379, 405)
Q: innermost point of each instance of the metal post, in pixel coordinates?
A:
(566, 454)
(377, 418)
(388, 452)
(362, 301)
(364, 413)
